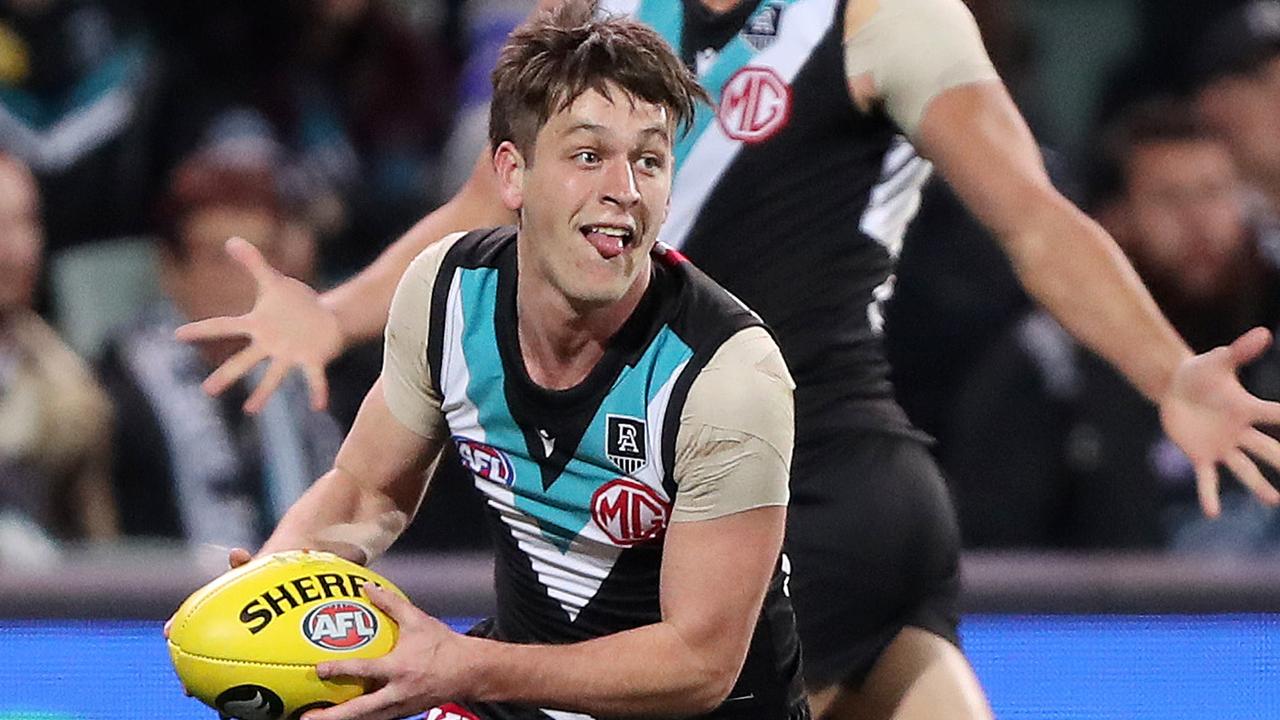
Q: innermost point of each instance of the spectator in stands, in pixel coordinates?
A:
(77, 85)
(355, 94)
(1237, 75)
(190, 466)
(1051, 447)
(54, 419)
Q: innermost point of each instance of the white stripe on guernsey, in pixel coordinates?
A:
(896, 196)
(653, 473)
(804, 24)
(565, 715)
(454, 373)
(571, 578)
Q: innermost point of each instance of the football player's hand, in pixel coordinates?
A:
(288, 325)
(1210, 415)
(416, 675)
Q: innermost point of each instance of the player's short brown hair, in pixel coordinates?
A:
(560, 54)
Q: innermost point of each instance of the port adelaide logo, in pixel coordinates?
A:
(341, 625)
(625, 442)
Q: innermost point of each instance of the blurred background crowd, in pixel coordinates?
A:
(137, 135)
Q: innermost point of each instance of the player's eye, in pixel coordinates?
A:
(587, 157)
(651, 163)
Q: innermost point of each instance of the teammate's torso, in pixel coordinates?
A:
(579, 482)
(788, 195)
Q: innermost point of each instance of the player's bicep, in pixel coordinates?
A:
(714, 577)
(978, 141)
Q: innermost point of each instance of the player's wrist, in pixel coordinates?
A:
(466, 662)
(338, 324)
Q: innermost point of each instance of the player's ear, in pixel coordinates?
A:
(509, 163)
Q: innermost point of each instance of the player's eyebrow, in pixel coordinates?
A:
(604, 132)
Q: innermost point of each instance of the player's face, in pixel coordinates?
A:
(1187, 215)
(20, 238)
(593, 196)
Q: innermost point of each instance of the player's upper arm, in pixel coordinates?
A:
(904, 53)
(406, 382)
(737, 428)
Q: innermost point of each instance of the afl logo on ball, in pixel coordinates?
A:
(340, 625)
(754, 104)
(629, 512)
(487, 462)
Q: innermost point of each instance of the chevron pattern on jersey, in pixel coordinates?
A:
(574, 527)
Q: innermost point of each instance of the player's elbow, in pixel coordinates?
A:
(709, 687)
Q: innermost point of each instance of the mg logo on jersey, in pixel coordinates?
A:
(629, 512)
(340, 625)
(754, 104)
(625, 442)
(488, 462)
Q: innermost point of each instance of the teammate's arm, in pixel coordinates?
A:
(293, 327)
(959, 115)
(362, 505)
(715, 572)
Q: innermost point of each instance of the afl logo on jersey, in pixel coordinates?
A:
(487, 462)
(754, 104)
(629, 512)
(340, 625)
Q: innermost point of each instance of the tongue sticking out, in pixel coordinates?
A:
(609, 246)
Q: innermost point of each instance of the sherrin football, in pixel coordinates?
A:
(247, 643)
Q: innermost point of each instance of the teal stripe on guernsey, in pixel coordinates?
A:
(565, 509)
(657, 14)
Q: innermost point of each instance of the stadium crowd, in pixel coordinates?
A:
(135, 136)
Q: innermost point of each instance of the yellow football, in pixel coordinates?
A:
(247, 643)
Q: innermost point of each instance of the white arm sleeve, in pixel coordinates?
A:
(914, 50)
(733, 448)
(406, 377)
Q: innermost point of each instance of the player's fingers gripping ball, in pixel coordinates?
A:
(247, 643)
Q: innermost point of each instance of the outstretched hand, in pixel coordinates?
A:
(418, 674)
(1210, 415)
(288, 325)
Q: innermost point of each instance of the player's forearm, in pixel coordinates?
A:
(339, 515)
(1074, 269)
(646, 671)
(361, 303)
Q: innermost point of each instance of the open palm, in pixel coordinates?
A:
(1210, 415)
(288, 326)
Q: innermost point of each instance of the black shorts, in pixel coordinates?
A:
(874, 547)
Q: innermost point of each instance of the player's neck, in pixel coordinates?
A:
(560, 342)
